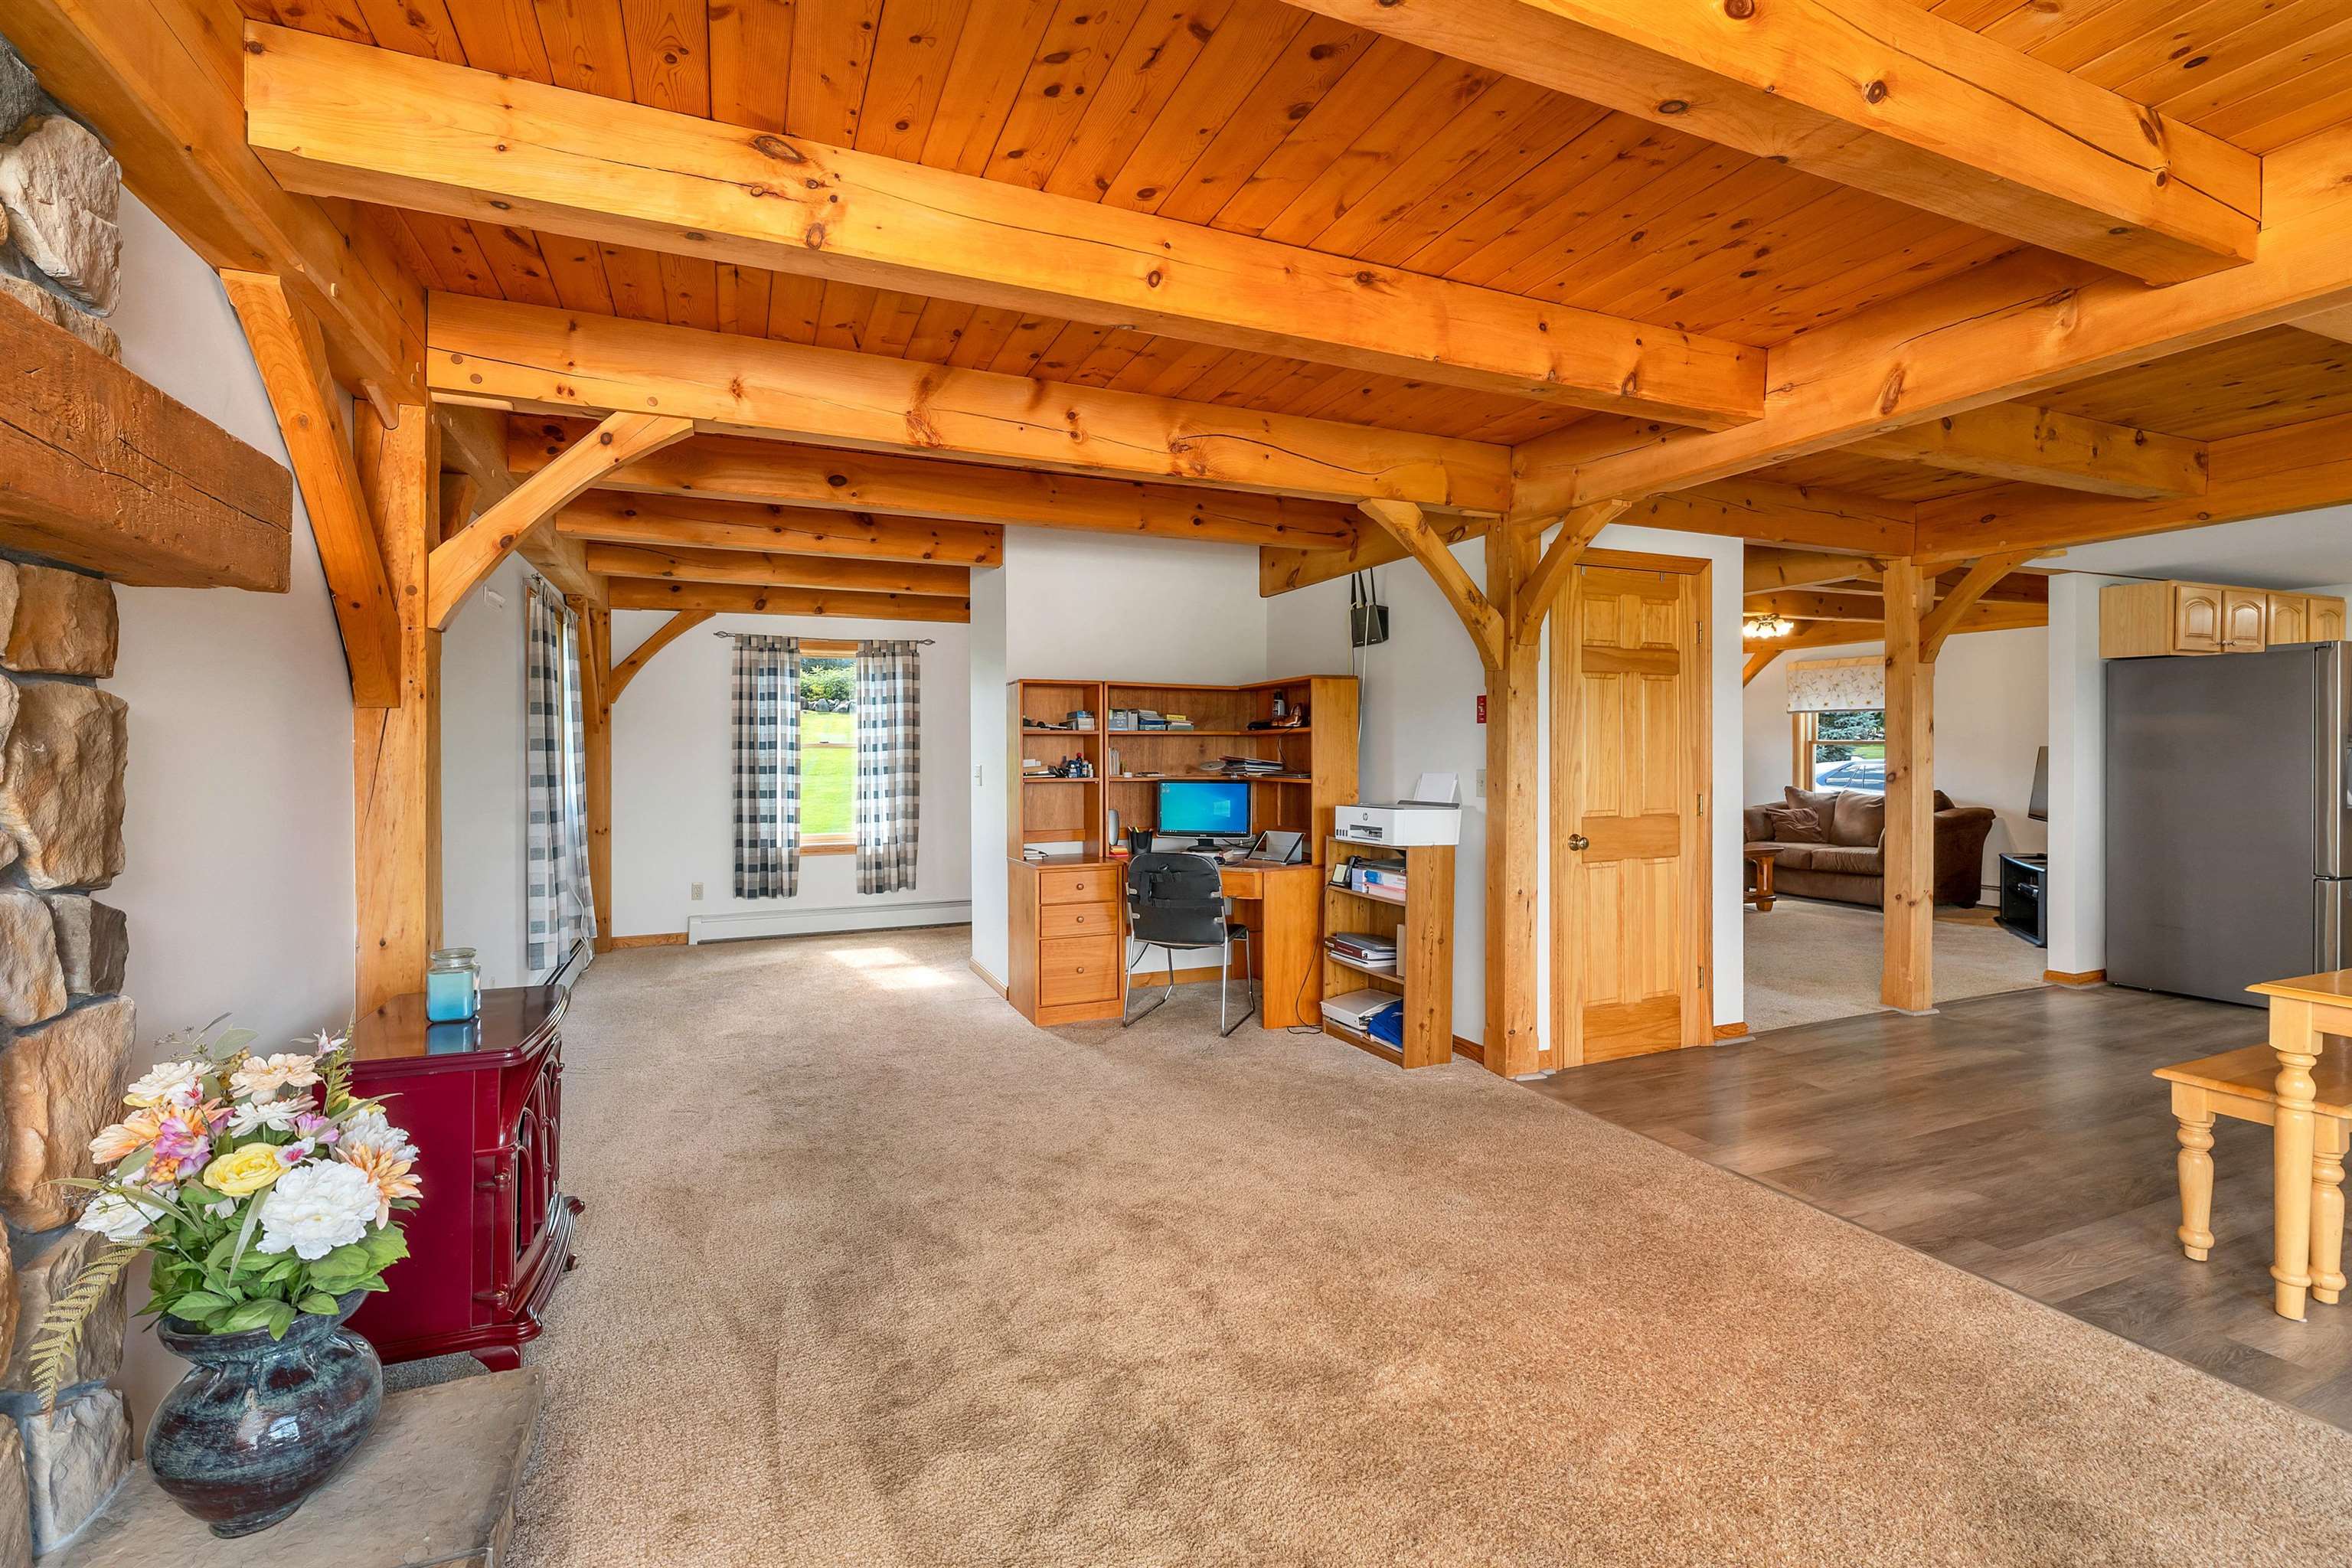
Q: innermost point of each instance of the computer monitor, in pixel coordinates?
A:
(1209, 808)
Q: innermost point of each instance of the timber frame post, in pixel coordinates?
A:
(596, 695)
(1514, 1042)
(1907, 980)
(396, 749)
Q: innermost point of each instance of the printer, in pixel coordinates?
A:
(1433, 816)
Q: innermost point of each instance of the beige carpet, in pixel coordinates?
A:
(1808, 962)
(874, 1273)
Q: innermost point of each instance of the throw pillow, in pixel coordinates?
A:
(1822, 803)
(1796, 824)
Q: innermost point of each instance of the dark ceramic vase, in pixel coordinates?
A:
(258, 1424)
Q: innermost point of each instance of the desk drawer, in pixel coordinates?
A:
(1078, 885)
(1077, 920)
(1078, 969)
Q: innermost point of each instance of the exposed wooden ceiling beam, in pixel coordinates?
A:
(2041, 446)
(667, 521)
(459, 563)
(1765, 569)
(290, 353)
(538, 360)
(338, 119)
(1404, 523)
(2297, 467)
(1811, 605)
(1881, 95)
(2009, 331)
(2016, 587)
(1550, 574)
(1836, 633)
(1759, 658)
(164, 81)
(720, 598)
(772, 571)
(730, 468)
(2337, 324)
(474, 443)
(1738, 509)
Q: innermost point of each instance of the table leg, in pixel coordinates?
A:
(2296, 1047)
(2193, 1109)
(2327, 1210)
(1764, 884)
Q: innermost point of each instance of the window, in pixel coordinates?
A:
(828, 747)
(1843, 748)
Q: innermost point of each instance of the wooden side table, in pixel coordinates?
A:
(1759, 875)
(2303, 1011)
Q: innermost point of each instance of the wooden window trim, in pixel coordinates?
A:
(831, 844)
(1803, 726)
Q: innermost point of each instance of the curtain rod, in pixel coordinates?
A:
(918, 642)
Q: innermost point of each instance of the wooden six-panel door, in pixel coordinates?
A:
(1629, 841)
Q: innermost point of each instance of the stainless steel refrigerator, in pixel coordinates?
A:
(2228, 822)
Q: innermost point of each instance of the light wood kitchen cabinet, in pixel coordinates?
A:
(2245, 615)
(2148, 620)
(2289, 620)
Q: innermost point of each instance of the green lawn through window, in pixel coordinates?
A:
(828, 772)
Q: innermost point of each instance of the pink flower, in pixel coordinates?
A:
(293, 1154)
(316, 1128)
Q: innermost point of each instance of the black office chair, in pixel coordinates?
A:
(1177, 900)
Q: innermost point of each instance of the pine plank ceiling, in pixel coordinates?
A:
(1253, 117)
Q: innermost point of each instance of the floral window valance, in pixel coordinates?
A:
(1835, 685)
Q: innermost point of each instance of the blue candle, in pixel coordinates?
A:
(453, 986)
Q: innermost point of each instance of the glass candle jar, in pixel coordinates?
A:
(453, 986)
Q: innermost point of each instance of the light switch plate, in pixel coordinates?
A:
(693, 891)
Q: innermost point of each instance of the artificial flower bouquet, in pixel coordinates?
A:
(263, 1188)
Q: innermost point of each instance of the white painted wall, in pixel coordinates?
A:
(2076, 885)
(1992, 715)
(1420, 704)
(482, 810)
(1108, 608)
(991, 877)
(238, 825)
(673, 804)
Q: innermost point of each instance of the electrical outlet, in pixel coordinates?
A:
(1482, 784)
(976, 780)
(693, 891)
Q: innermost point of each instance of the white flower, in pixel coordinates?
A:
(371, 1129)
(314, 1209)
(118, 1218)
(259, 1078)
(323, 1044)
(166, 1083)
(278, 1115)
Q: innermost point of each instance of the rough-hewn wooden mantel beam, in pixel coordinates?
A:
(164, 81)
(1881, 95)
(735, 469)
(102, 471)
(2007, 331)
(332, 118)
(537, 360)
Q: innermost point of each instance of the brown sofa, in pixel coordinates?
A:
(1851, 867)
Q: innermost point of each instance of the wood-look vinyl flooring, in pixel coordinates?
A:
(2017, 1136)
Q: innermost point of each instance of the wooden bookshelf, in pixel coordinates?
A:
(1422, 924)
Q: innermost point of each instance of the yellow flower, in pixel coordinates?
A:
(245, 1171)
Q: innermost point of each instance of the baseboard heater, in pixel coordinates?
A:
(700, 928)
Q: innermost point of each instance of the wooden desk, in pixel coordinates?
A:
(2303, 1010)
(1286, 936)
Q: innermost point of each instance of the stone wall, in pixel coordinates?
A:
(66, 1032)
(61, 192)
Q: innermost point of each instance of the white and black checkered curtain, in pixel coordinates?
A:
(766, 705)
(559, 908)
(889, 765)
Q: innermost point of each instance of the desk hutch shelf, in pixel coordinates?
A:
(1068, 963)
(1422, 924)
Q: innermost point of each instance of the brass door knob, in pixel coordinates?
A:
(1579, 841)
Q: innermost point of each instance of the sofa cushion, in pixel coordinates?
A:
(1796, 824)
(1847, 859)
(1859, 819)
(1822, 803)
(1794, 856)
